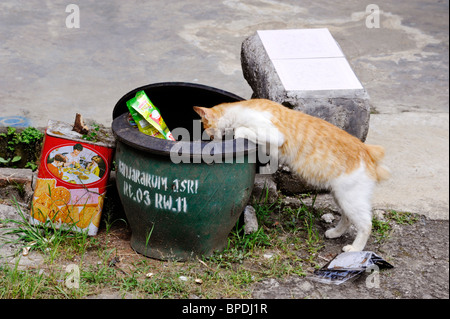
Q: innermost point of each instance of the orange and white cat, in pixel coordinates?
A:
(321, 153)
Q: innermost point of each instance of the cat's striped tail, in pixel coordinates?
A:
(376, 152)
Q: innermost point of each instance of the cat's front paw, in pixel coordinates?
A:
(332, 233)
(349, 248)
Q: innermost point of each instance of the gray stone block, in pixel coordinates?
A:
(264, 189)
(17, 183)
(348, 109)
(346, 106)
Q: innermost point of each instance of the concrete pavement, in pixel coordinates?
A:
(50, 71)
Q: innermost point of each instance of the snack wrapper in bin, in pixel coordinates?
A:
(148, 117)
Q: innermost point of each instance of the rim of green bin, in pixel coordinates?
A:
(121, 106)
(200, 150)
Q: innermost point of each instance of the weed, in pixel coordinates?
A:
(19, 187)
(382, 229)
(109, 221)
(92, 135)
(247, 242)
(147, 238)
(10, 160)
(20, 284)
(47, 238)
(30, 135)
(24, 146)
(276, 250)
(402, 218)
(312, 234)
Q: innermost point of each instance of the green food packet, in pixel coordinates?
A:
(143, 126)
(150, 113)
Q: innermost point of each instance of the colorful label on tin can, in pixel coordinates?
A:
(71, 184)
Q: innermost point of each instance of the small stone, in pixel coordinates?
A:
(378, 215)
(306, 286)
(328, 218)
(198, 281)
(265, 188)
(25, 251)
(250, 220)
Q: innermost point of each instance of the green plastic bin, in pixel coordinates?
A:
(179, 210)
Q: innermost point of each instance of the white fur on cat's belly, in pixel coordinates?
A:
(253, 125)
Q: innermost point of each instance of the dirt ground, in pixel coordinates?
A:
(418, 252)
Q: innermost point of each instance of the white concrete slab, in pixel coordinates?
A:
(309, 60)
(300, 44)
(316, 74)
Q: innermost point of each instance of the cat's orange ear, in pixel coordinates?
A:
(203, 112)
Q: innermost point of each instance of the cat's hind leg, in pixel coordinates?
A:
(363, 224)
(353, 194)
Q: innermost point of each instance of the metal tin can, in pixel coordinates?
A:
(72, 178)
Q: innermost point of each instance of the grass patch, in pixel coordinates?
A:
(48, 239)
(20, 149)
(382, 229)
(286, 243)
